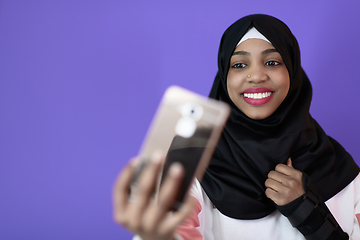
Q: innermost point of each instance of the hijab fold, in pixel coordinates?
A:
(249, 149)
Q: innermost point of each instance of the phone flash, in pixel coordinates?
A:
(185, 127)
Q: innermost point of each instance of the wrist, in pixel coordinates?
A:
(310, 215)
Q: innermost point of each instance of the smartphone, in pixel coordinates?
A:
(185, 129)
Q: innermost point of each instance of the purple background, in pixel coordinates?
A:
(80, 81)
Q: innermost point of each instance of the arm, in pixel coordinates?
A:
(297, 199)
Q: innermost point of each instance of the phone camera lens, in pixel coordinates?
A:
(192, 110)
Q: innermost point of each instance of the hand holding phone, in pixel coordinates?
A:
(144, 216)
(186, 129)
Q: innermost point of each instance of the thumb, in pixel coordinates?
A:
(289, 163)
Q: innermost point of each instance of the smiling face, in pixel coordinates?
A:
(258, 80)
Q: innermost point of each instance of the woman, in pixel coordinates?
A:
(274, 167)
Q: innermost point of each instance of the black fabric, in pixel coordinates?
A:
(300, 209)
(290, 208)
(249, 149)
(317, 224)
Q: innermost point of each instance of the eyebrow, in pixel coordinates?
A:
(241, 53)
(244, 53)
(269, 51)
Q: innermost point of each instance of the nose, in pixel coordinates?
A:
(257, 75)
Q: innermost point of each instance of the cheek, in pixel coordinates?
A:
(230, 90)
(231, 85)
(233, 81)
(229, 82)
(286, 84)
(283, 81)
(284, 88)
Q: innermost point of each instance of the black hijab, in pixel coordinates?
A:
(249, 149)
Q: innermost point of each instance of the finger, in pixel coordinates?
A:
(144, 191)
(289, 163)
(168, 193)
(121, 190)
(289, 181)
(276, 197)
(274, 185)
(171, 186)
(277, 176)
(272, 194)
(169, 224)
(285, 169)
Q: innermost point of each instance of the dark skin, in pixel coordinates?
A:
(149, 218)
(284, 184)
(144, 216)
(256, 64)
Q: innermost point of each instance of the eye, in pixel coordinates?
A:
(238, 65)
(272, 63)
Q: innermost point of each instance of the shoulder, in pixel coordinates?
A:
(345, 207)
(348, 197)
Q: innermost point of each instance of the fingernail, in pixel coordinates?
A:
(156, 157)
(175, 169)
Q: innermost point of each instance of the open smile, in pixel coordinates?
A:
(257, 96)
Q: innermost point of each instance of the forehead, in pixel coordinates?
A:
(254, 44)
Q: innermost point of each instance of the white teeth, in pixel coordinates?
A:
(257, 95)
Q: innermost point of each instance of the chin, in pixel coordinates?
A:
(258, 116)
(257, 112)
